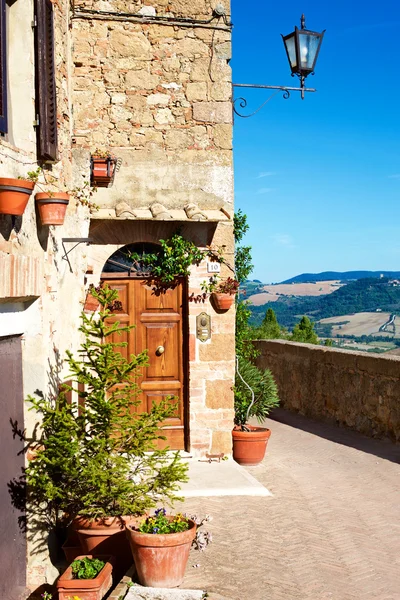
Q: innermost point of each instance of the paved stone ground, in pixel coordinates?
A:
(330, 531)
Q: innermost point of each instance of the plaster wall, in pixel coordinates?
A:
(354, 389)
(36, 283)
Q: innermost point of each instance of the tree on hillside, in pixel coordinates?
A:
(304, 332)
(270, 328)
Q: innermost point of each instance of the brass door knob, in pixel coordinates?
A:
(160, 350)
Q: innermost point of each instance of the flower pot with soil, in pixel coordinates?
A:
(88, 577)
(223, 293)
(256, 394)
(102, 169)
(52, 207)
(14, 195)
(160, 547)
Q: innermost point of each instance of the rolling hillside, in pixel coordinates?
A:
(345, 276)
(364, 295)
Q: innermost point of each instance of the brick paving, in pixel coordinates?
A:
(330, 531)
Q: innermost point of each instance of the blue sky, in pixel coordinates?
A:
(319, 179)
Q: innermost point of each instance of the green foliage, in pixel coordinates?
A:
(86, 568)
(304, 332)
(160, 523)
(264, 388)
(243, 260)
(270, 328)
(174, 259)
(328, 342)
(101, 460)
(244, 332)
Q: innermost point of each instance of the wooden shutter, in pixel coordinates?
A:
(3, 68)
(46, 84)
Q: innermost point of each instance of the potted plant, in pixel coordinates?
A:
(160, 546)
(14, 195)
(255, 394)
(98, 467)
(223, 293)
(102, 168)
(88, 577)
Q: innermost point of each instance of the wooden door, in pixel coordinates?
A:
(12, 536)
(158, 321)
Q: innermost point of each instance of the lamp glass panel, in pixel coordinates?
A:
(308, 50)
(291, 50)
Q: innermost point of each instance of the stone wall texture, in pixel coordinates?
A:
(353, 389)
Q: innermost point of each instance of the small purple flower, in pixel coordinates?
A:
(155, 529)
(160, 511)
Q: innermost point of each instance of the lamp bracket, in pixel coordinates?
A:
(277, 89)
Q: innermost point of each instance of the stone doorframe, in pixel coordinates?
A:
(210, 365)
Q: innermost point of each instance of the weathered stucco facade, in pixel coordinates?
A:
(151, 84)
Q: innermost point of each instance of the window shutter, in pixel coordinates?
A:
(3, 68)
(46, 84)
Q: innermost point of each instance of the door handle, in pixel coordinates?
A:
(160, 350)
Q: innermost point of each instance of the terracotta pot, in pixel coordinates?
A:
(52, 207)
(106, 536)
(161, 560)
(249, 446)
(223, 301)
(14, 195)
(102, 171)
(72, 547)
(87, 589)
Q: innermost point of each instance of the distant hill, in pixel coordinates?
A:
(364, 295)
(336, 275)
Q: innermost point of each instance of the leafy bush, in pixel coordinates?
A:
(86, 568)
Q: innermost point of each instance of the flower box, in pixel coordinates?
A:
(86, 589)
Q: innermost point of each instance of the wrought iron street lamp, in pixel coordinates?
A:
(302, 49)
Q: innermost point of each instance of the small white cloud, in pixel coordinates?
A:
(395, 176)
(264, 190)
(283, 239)
(265, 174)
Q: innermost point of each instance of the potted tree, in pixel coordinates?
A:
(98, 466)
(255, 394)
(102, 168)
(88, 578)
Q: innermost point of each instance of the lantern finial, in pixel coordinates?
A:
(303, 21)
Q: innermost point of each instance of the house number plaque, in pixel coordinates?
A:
(203, 327)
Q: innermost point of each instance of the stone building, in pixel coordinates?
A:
(150, 83)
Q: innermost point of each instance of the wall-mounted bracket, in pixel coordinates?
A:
(75, 241)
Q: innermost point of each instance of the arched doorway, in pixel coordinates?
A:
(160, 326)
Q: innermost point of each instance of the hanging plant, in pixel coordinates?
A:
(172, 261)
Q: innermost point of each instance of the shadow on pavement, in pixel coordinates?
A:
(383, 448)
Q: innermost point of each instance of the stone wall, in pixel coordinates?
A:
(355, 389)
(157, 94)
